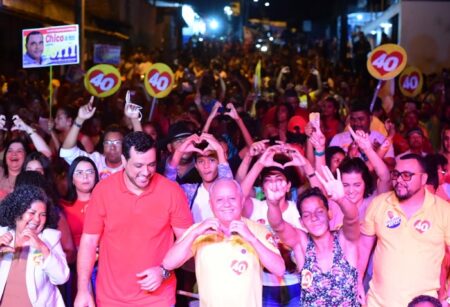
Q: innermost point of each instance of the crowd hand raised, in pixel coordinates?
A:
(309, 129)
(215, 109)
(333, 186)
(2, 122)
(266, 158)
(276, 190)
(87, 111)
(258, 148)
(189, 144)
(20, 125)
(132, 110)
(298, 159)
(361, 138)
(5, 241)
(150, 279)
(213, 144)
(318, 140)
(285, 70)
(232, 113)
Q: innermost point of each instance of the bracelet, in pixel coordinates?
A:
(77, 124)
(319, 153)
(311, 175)
(32, 131)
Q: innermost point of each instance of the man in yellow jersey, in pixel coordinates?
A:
(229, 251)
(411, 227)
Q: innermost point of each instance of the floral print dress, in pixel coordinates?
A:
(337, 287)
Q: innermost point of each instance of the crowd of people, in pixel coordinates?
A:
(283, 190)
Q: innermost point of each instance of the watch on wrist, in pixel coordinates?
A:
(165, 273)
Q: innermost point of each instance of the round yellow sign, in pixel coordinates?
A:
(386, 61)
(158, 80)
(102, 80)
(411, 81)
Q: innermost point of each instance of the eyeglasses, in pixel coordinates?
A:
(112, 142)
(82, 173)
(406, 176)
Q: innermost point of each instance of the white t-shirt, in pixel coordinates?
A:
(290, 215)
(201, 209)
(100, 162)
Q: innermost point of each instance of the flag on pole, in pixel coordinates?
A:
(258, 78)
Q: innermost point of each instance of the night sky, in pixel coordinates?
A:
(287, 10)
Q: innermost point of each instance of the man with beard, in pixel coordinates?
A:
(411, 227)
(108, 162)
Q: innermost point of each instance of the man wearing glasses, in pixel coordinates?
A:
(411, 227)
(108, 162)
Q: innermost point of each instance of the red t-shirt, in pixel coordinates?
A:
(136, 232)
(75, 217)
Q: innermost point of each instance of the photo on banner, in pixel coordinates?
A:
(106, 54)
(50, 46)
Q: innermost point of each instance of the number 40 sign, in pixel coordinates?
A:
(158, 80)
(102, 80)
(386, 61)
(411, 81)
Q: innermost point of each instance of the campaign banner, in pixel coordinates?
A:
(106, 54)
(50, 46)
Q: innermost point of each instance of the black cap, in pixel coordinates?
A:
(178, 130)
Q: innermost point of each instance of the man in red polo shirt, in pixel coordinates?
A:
(132, 217)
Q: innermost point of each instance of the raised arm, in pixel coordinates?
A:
(335, 191)
(211, 116)
(290, 235)
(254, 150)
(283, 71)
(133, 112)
(84, 112)
(235, 116)
(265, 160)
(37, 140)
(380, 168)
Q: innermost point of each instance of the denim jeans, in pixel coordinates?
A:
(288, 296)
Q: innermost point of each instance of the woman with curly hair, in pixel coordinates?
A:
(32, 262)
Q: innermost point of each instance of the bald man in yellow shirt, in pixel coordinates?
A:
(230, 251)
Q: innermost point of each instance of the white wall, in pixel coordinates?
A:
(425, 34)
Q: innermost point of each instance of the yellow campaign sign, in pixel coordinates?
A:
(159, 80)
(102, 80)
(386, 61)
(411, 81)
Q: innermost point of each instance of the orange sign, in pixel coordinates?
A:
(411, 81)
(102, 80)
(158, 80)
(386, 61)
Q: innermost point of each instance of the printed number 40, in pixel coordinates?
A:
(159, 82)
(385, 62)
(105, 84)
(410, 83)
